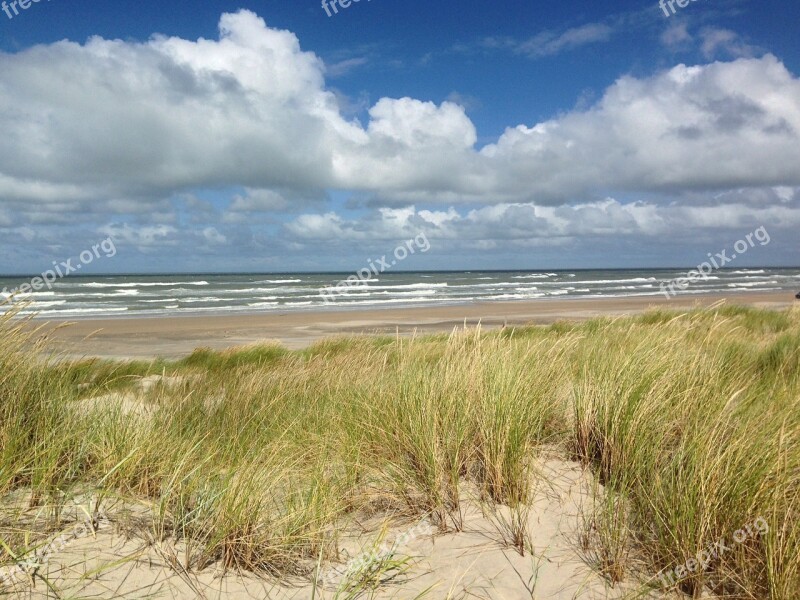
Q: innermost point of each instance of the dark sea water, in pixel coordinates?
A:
(161, 295)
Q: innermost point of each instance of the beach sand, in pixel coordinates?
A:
(174, 337)
(474, 563)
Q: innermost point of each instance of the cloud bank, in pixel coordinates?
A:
(112, 119)
(119, 127)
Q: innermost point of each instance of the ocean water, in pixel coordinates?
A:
(162, 295)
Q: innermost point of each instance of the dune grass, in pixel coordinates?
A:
(259, 458)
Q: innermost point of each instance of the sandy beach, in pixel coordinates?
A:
(174, 337)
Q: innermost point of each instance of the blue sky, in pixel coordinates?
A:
(268, 136)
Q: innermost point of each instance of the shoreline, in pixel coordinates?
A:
(177, 336)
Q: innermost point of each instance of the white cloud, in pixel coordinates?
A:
(258, 201)
(676, 34)
(549, 43)
(469, 102)
(111, 124)
(326, 227)
(143, 237)
(212, 236)
(502, 225)
(716, 40)
(722, 125)
(785, 194)
(115, 118)
(343, 67)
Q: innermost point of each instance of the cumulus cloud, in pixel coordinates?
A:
(118, 119)
(317, 227)
(119, 124)
(722, 125)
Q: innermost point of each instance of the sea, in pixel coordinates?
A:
(75, 297)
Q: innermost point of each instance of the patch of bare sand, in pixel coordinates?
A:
(141, 401)
(473, 563)
(126, 404)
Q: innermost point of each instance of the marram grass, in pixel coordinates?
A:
(259, 458)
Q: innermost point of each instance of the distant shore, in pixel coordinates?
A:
(174, 337)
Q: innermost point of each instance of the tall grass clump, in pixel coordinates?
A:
(521, 386)
(38, 448)
(470, 408)
(417, 420)
(690, 429)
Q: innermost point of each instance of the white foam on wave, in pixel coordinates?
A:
(510, 297)
(537, 276)
(262, 290)
(604, 281)
(95, 284)
(76, 311)
(365, 286)
(26, 296)
(501, 285)
(751, 284)
(280, 281)
(203, 299)
(37, 305)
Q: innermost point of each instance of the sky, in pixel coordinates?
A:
(281, 136)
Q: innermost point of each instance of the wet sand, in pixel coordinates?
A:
(173, 337)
